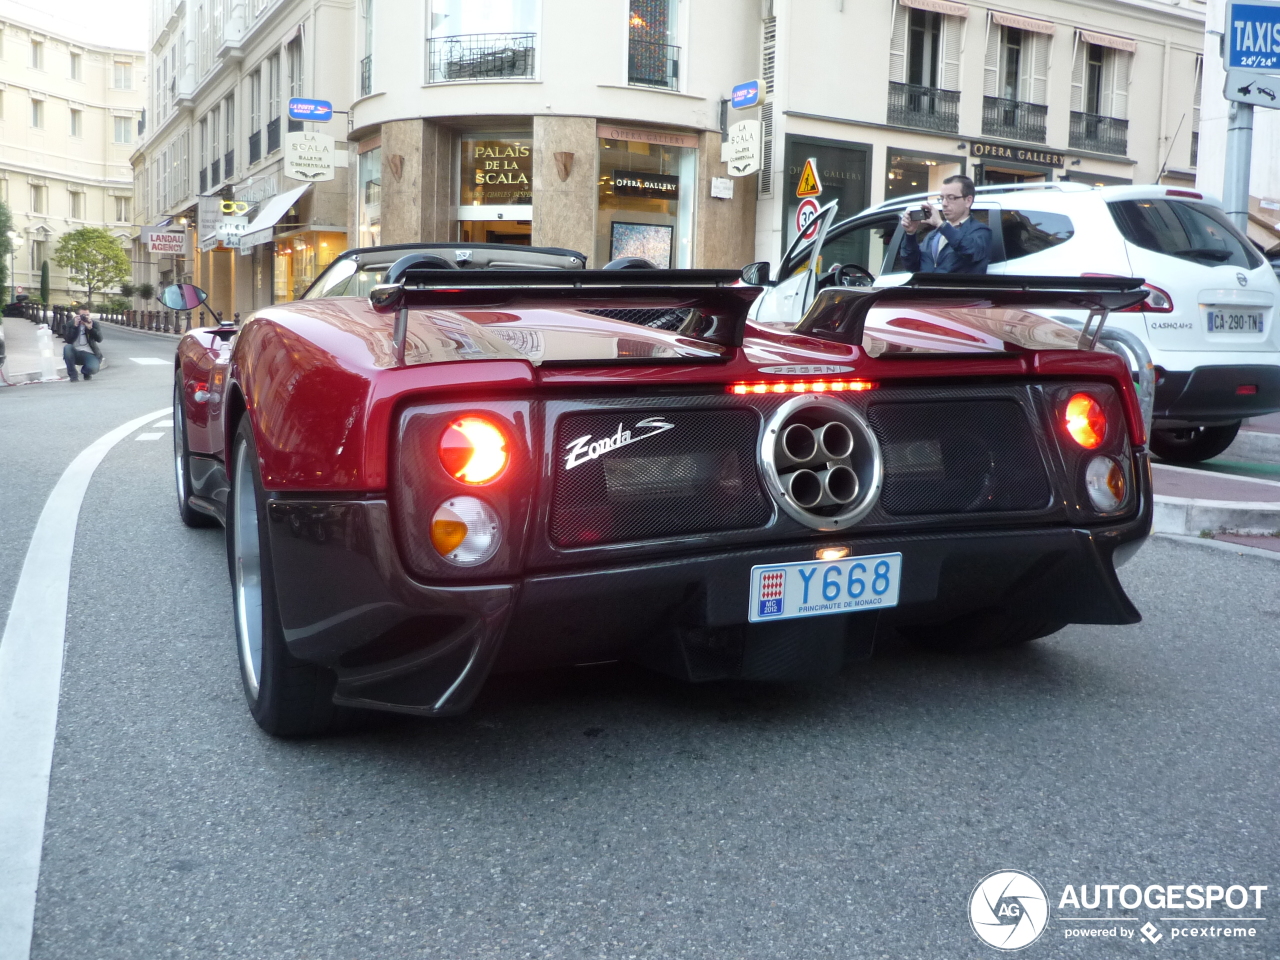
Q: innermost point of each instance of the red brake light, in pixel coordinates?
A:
(474, 450)
(1190, 194)
(1158, 301)
(800, 386)
(1085, 421)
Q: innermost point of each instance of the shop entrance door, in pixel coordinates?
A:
(516, 232)
(985, 173)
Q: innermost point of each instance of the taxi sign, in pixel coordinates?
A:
(746, 94)
(1253, 36)
(300, 108)
(810, 185)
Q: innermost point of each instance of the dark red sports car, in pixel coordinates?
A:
(464, 470)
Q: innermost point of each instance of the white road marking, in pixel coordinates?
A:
(163, 423)
(149, 436)
(152, 361)
(30, 677)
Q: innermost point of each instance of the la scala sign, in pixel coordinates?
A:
(308, 156)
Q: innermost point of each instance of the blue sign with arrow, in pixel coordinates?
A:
(1253, 36)
(746, 94)
(319, 111)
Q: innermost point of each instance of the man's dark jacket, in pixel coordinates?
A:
(967, 249)
(92, 335)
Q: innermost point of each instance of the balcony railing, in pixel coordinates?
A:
(926, 108)
(255, 146)
(366, 76)
(1013, 119)
(215, 173)
(1100, 134)
(653, 65)
(481, 56)
(273, 135)
(229, 164)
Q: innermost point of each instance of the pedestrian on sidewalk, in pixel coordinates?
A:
(81, 348)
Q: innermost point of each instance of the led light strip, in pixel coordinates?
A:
(800, 386)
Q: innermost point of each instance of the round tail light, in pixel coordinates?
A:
(466, 531)
(474, 450)
(1085, 421)
(1104, 480)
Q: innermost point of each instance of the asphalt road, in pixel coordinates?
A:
(608, 813)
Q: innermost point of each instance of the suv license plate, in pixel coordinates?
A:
(1235, 321)
(783, 591)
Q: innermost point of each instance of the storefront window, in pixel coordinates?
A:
(495, 203)
(452, 18)
(369, 198)
(646, 195)
(842, 171)
(908, 173)
(300, 258)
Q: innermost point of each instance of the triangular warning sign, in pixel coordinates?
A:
(810, 185)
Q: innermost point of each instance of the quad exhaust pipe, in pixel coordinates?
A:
(822, 488)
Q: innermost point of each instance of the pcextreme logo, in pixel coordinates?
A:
(1009, 910)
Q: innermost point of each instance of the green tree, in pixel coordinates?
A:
(94, 259)
(44, 281)
(6, 224)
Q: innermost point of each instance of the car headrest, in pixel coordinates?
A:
(629, 263)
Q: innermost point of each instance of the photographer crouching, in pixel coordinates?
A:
(81, 348)
(956, 243)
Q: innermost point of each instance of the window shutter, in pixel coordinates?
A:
(1120, 61)
(991, 65)
(1079, 58)
(898, 45)
(952, 47)
(1035, 83)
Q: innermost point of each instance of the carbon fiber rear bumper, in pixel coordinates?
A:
(347, 603)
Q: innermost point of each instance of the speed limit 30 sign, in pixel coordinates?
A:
(806, 214)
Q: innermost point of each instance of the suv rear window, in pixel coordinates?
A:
(1192, 231)
(1031, 231)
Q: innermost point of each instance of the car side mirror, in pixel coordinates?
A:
(182, 296)
(756, 274)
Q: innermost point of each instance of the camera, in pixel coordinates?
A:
(918, 215)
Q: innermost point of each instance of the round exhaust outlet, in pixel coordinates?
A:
(822, 463)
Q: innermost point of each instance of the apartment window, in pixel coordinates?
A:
(122, 76)
(1195, 111)
(924, 70)
(273, 103)
(366, 64)
(37, 55)
(75, 66)
(255, 116)
(123, 214)
(653, 58)
(1, 104)
(39, 253)
(293, 63)
(37, 114)
(39, 199)
(473, 42)
(123, 129)
(1, 41)
(76, 205)
(76, 125)
(215, 146)
(204, 154)
(1017, 80)
(1099, 96)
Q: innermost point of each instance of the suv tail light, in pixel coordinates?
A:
(1158, 301)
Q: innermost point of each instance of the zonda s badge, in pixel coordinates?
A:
(584, 448)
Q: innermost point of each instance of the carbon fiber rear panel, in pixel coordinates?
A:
(638, 475)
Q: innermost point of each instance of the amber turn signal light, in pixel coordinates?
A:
(474, 450)
(1085, 421)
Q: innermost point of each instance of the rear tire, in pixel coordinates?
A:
(983, 630)
(1192, 444)
(287, 697)
(182, 465)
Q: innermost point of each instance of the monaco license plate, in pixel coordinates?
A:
(812, 588)
(1235, 321)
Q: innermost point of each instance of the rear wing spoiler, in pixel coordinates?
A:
(840, 313)
(717, 299)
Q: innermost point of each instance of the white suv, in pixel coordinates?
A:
(1208, 322)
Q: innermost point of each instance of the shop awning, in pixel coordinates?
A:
(1107, 40)
(261, 229)
(948, 7)
(1022, 23)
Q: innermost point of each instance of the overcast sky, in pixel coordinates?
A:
(112, 23)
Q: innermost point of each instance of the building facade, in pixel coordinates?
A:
(69, 118)
(214, 158)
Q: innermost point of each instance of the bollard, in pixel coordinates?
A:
(44, 339)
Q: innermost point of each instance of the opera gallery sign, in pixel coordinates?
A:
(308, 157)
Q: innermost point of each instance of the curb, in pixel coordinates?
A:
(1182, 516)
(33, 376)
(1254, 445)
(1223, 545)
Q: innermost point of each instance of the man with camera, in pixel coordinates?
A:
(81, 348)
(957, 243)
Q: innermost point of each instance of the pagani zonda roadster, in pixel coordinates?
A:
(486, 469)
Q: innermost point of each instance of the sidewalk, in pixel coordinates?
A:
(1258, 441)
(22, 351)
